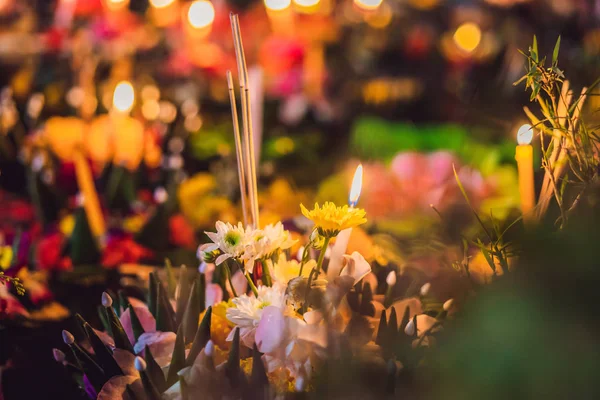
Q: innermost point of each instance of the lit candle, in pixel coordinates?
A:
(128, 132)
(164, 12)
(280, 15)
(342, 239)
(524, 157)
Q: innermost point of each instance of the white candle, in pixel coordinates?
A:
(342, 239)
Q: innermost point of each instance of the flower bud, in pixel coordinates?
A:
(425, 289)
(448, 304)
(140, 364)
(299, 385)
(68, 337)
(391, 279)
(106, 300)
(409, 329)
(316, 240)
(209, 349)
(59, 356)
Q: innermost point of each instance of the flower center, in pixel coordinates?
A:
(264, 304)
(232, 238)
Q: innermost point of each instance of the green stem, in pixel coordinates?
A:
(322, 254)
(252, 286)
(266, 273)
(304, 258)
(228, 273)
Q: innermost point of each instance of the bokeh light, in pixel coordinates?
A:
(368, 4)
(468, 36)
(277, 5)
(201, 14)
(161, 3)
(123, 96)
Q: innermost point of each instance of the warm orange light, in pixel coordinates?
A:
(123, 97)
(277, 5)
(201, 14)
(468, 36)
(356, 187)
(368, 4)
(116, 4)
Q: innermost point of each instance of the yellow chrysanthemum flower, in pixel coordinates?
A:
(285, 270)
(331, 219)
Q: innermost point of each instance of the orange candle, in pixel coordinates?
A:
(91, 203)
(524, 157)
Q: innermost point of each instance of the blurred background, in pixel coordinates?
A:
(363, 78)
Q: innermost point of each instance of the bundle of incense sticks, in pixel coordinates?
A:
(244, 145)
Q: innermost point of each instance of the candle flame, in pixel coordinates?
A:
(123, 96)
(356, 186)
(525, 134)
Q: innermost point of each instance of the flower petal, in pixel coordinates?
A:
(271, 330)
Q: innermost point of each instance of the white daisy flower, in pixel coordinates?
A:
(265, 243)
(248, 309)
(229, 239)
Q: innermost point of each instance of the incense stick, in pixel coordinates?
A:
(247, 142)
(238, 148)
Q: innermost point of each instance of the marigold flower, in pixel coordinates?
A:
(331, 219)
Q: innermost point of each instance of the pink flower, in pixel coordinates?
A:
(10, 307)
(161, 345)
(146, 319)
(270, 331)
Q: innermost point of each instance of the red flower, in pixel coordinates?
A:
(181, 234)
(48, 255)
(123, 250)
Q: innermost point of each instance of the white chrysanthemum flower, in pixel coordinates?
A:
(248, 309)
(231, 240)
(265, 243)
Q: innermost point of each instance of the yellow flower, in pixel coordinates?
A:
(66, 225)
(134, 223)
(331, 219)
(6, 255)
(286, 270)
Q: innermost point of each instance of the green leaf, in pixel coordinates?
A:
(171, 281)
(202, 337)
(534, 50)
(154, 371)
(178, 358)
(555, 53)
(103, 355)
(136, 325)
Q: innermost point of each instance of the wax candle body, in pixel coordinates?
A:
(524, 157)
(91, 203)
